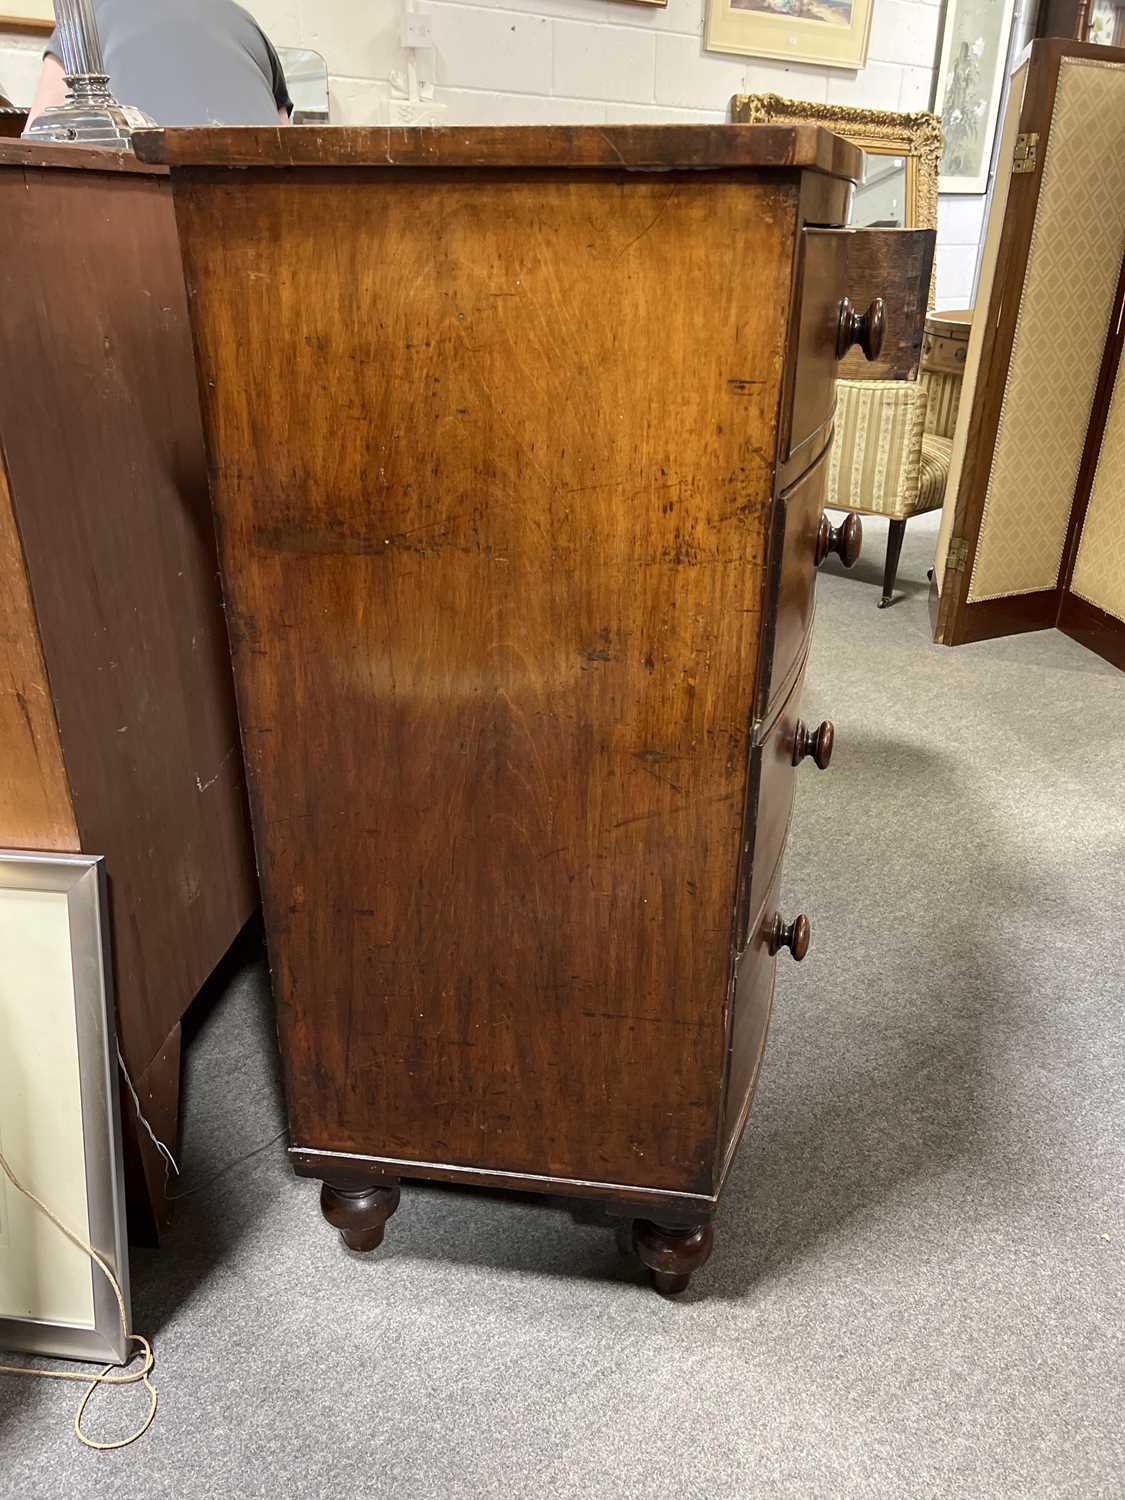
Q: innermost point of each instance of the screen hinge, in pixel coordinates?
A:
(957, 556)
(1026, 156)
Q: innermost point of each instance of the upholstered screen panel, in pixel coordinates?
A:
(1099, 568)
(1072, 269)
(985, 281)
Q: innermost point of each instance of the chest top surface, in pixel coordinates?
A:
(614, 147)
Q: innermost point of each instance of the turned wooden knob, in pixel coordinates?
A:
(865, 329)
(846, 540)
(815, 742)
(795, 936)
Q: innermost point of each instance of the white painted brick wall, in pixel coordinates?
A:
(20, 59)
(574, 61)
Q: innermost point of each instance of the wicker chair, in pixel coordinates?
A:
(894, 438)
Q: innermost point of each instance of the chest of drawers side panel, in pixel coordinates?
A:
(494, 558)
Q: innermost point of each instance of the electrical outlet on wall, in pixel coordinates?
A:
(417, 30)
(415, 112)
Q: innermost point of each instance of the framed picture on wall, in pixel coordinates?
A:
(969, 87)
(1107, 23)
(31, 18)
(832, 33)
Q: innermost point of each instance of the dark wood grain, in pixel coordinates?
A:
(895, 265)
(814, 744)
(1093, 627)
(752, 1002)
(494, 626)
(12, 122)
(502, 557)
(359, 1207)
(794, 934)
(672, 1252)
(812, 370)
(1013, 615)
(602, 147)
(100, 433)
(45, 157)
(789, 609)
(773, 783)
(35, 805)
(845, 540)
(896, 531)
(627, 1199)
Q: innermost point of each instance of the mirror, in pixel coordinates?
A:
(880, 195)
(306, 73)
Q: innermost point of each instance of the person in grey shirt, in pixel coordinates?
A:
(184, 62)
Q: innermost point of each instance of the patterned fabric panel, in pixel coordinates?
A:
(943, 399)
(877, 448)
(934, 471)
(1072, 267)
(1099, 568)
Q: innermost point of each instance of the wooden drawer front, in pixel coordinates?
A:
(791, 584)
(821, 283)
(773, 785)
(753, 999)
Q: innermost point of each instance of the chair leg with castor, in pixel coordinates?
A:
(890, 570)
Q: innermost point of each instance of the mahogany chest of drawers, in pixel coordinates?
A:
(518, 443)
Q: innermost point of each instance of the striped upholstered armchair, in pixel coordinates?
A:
(894, 438)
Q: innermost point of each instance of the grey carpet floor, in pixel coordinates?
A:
(917, 1283)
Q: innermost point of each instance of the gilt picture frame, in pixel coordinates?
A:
(970, 85)
(60, 1126)
(828, 33)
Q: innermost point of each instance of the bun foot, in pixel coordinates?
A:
(672, 1253)
(359, 1209)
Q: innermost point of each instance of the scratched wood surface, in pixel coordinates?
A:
(101, 436)
(524, 147)
(492, 460)
(35, 807)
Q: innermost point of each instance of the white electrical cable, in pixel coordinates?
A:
(159, 1144)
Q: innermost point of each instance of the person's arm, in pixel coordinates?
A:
(51, 88)
(277, 80)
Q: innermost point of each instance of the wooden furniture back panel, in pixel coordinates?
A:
(35, 810)
(494, 557)
(99, 424)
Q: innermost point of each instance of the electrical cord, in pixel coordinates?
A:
(103, 1377)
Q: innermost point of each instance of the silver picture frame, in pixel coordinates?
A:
(81, 879)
